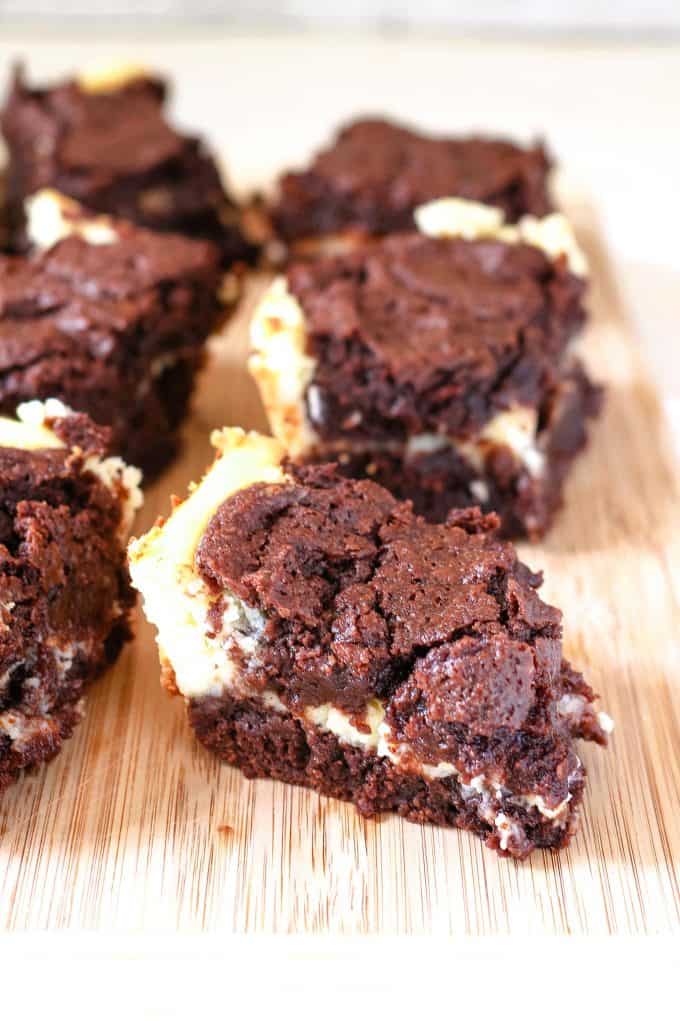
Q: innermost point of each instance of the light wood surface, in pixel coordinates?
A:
(135, 826)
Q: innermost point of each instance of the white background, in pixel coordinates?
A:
(536, 16)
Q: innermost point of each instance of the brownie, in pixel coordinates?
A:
(65, 510)
(322, 633)
(376, 172)
(109, 144)
(438, 362)
(111, 318)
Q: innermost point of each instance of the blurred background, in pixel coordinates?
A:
(268, 82)
(655, 17)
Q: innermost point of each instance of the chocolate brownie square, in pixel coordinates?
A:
(105, 140)
(437, 362)
(65, 597)
(376, 172)
(323, 634)
(109, 317)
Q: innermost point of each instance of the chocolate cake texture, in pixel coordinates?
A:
(322, 633)
(65, 513)
(439, 362)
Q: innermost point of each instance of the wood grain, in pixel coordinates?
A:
(135, 826)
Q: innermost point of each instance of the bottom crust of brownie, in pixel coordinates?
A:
(441, 480)
(264, 742)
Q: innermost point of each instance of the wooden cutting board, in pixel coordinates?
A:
(136, 826)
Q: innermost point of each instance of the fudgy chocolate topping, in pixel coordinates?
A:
(87, 134)
(357, 589)
(79, 431)
(99, 141)
(485, 683)
(419, 334)
(377, 172)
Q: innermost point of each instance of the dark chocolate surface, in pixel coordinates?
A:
(419, 334)
(376, 172)
(116, 152)
(65, 592)
(114, 330)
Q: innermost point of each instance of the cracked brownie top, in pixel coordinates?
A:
(357, 589)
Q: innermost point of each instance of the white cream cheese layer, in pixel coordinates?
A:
(111, 78)
(376, 736)
(515, 428)
(28, 431)
(371, 736)
(574, 707)
(176, 599)
(120, 478)
(473, 221)
(282, 367)
(51, 217)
